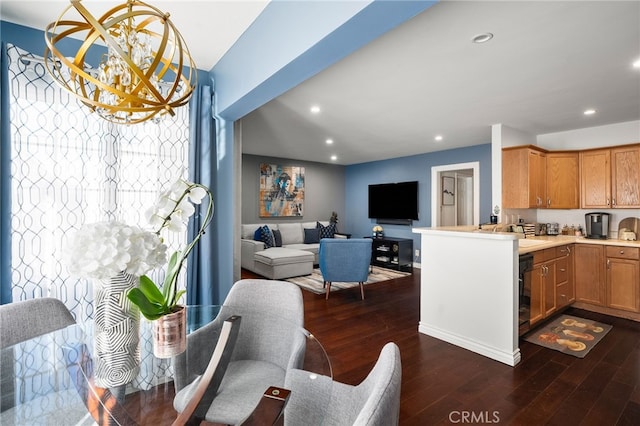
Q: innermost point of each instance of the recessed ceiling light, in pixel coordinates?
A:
(636, 64)
(329, 141)
(315, 109)
(438, 138)
(482, 38)
(589, 111)
(334, 157)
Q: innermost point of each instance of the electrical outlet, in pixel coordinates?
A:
(417, 252)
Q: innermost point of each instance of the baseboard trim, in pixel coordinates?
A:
(509, 358)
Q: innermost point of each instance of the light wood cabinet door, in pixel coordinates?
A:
(589, 274)
(595, 179)
(536, 310)
(625, 177)
(523, 178)
(537, 179)
(562, 180)
(623, 279)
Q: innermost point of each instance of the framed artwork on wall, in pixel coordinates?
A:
(448, 194)
(281, 190)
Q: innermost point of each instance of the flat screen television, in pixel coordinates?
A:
(394, 201)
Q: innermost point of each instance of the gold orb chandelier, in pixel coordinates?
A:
(141, 76)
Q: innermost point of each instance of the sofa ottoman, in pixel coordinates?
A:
(278, 262)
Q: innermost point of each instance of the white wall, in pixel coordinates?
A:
(592, 137)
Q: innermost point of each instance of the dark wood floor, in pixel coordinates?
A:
(441, 382)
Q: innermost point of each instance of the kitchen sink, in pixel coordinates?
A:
(523, 242)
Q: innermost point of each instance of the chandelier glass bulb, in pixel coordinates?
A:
(140, 77)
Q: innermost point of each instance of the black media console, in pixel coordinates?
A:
(393, 253)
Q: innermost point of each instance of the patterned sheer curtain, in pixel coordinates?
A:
(69, 167)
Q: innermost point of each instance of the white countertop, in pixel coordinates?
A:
(547, 241)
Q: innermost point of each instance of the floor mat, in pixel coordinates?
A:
(571, 335)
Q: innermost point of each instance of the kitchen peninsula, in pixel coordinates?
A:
(468, 295)
(469, 285)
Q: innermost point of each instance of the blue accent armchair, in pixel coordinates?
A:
(345, 260)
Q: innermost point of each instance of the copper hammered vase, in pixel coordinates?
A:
(170, 334)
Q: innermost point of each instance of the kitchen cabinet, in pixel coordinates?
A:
(552, 285)
(524, 177)
(610, 178)
(565, 284)
(562, 180)
(589, 273)
(625, 177)
(623, 278)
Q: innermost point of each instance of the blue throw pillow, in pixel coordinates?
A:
(326, 231)
(257, 236)
(311, 235)
(267, 237)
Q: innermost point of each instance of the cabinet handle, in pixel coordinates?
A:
(608, 202)
(548, 202)
(562, 270)
(608, 264)
(621, 251)
(568, 251)
(614, 201)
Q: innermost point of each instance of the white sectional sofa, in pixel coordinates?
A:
(276, 264)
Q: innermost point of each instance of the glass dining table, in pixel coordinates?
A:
(52, 379)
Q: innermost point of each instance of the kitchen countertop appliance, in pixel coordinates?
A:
(597, 225)
(553, 228)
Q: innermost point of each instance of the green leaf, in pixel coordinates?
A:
(172, 270)
(150, 310)
(179, 295)
(151, 290)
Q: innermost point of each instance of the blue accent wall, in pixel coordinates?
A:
(417, 167)
(32, 40)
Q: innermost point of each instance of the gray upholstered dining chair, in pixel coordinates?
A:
(270, 341)
(24, 320)
(344, 260)
(373, 402)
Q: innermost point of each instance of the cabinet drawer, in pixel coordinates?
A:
(563, 251)
(545, 255)
(562, 269)
(621, 252)
(564, 295)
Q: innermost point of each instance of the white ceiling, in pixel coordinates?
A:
(547, 63)
(209, 27)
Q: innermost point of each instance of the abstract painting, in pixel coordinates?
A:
(281, 190)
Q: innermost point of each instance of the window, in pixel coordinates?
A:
(70, 167)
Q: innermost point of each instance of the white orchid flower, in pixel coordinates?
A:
(175, 223)
(196, 194)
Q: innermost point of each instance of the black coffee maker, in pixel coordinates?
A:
(597, 225)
